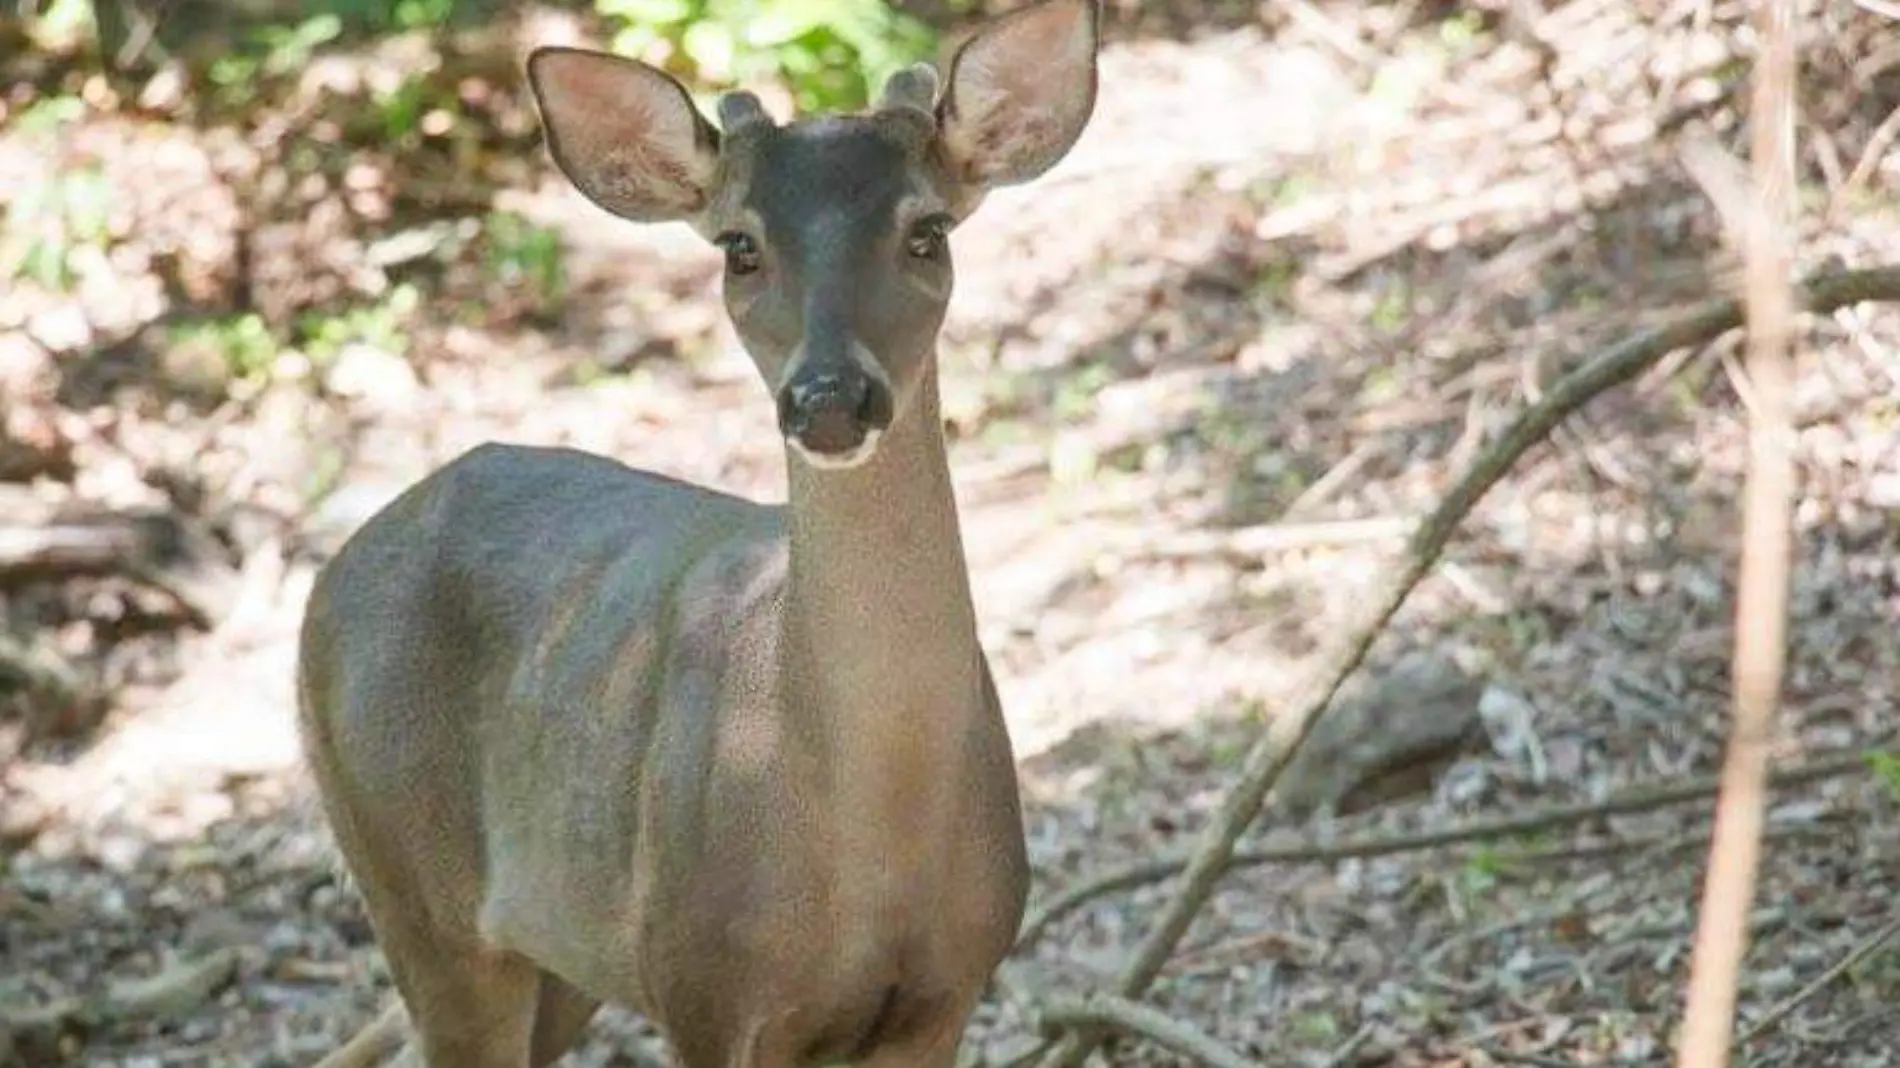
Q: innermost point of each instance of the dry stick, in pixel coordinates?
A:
(1761, 616)
(1839, 968)
(1106, 1010)
(40, 669)
(1645, 799)
(1870, 156)
(1349, 1048)
(1531, 1060)
(179, 989)
(1281, 740)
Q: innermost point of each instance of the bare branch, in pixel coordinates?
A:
(1761, 617)
(1876, 150)
(1348, 1049)
(1645, 799)
(1251, 543)
(40, 670)
(179, 989)
(1854, 956)
(1105, 1011)
(1276, 746)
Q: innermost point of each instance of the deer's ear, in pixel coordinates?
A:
(626, 134)
(1020, 91)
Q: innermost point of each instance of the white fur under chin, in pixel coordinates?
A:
(839, 461)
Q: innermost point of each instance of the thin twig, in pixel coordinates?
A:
(1644, 799)
(1576, 908)
(1277, 745)
(1105, 1011)
(1854, 956)
(1347, 1049)
(181, 988)
(1257, 541)
(40, 669)
(1532, 1060)
(1761, 614)
(1871, 155)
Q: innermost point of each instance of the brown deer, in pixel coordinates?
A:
(586, 734)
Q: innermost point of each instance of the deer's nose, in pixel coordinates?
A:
(831, 413)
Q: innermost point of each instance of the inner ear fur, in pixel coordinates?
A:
(1020, 92)
(625, 133)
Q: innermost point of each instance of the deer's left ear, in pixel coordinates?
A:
(1020, 93)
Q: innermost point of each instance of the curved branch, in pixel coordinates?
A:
(1644, 799)
(1277, 744)
(1861, 951)
(1106, 1011)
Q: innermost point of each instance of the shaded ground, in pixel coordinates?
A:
(1297, 272)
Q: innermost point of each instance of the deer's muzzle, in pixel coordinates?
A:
(834, 413)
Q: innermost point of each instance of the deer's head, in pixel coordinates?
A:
(838, 270)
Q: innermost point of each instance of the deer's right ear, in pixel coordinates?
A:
(626, 134)
(1020, 92)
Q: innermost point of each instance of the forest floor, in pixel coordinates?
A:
(1305, 263)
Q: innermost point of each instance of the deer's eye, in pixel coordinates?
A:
(742, 253)
(928, 238)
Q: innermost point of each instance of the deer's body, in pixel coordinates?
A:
(832, 862)
(587, 734)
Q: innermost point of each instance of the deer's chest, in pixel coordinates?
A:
(844, 934)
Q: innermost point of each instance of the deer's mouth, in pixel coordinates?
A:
(841, 459)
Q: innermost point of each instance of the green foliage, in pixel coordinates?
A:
(419, 14)
(50, 222)
(383, 325)
(521, 253)
(62, 25)
(380, 16)
(1275, 279)
(1394, 307)
(1229, 428)
(1482, 872)
(242, 345)
(1074, 400)
(272, 52)
(1462, 34)
(1886, 768)
(1381, 385)
(49, 115)
(399, 111)
(1315, 1027)
(1229, 744)
(829, 53)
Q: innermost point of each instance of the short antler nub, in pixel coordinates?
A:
(741, 108)
(913, 87)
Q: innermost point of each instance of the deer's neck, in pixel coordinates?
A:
(880, 658)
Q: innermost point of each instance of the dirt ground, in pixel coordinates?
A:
(1304, 264)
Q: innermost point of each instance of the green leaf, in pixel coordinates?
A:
(864, 25)
(784, 21)
(50, 114)
(634, 40)
(88, 197)
(423, 14)
(651, 12)
(711, 46)
(287, 50)
(45, 263)
(1886, 767)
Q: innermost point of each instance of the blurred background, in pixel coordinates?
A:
(263, 263)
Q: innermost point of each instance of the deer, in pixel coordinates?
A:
(586, 734)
